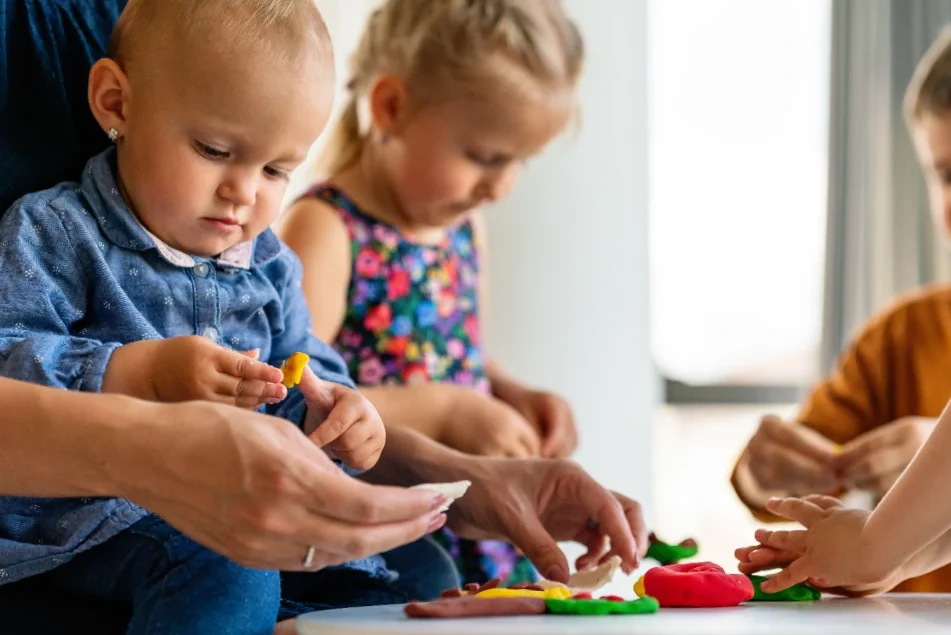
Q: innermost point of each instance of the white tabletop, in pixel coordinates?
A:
(889, 614)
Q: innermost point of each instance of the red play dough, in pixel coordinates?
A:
(697, 585)
(613, 598)
(581, 596)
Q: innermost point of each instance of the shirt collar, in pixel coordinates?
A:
(122, 228)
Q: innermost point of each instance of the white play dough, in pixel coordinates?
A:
(451, 491)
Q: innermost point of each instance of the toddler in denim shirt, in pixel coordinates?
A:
(155, 275)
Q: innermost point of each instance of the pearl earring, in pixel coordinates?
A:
(113, 134)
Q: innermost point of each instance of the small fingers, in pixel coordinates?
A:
(796, 509)
(795, 573)
(794, 541)
(245, 366)
(346, 413)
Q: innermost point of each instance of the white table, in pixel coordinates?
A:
(898, 614)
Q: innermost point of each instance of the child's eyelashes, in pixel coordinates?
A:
(276, 173)
(214, 154)
(209, 152)
(493, 162)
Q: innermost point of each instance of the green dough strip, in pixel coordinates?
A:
(795, 593)
(602, 607)
(670, 554)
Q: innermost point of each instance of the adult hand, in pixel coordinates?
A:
(876, 459)
(258, 491)
(788, 457)
(534, 503)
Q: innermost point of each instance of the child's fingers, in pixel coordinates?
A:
(803, 512)
(317, 392)
(247, 367)
(345, 414)
(365, 455)
(351, 439)
(794, 541)
(795, 573)
(823, 502)
(251, 393)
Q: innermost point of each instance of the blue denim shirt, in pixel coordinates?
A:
(79, 277)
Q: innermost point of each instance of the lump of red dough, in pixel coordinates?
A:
(694, 585)
(472, 606)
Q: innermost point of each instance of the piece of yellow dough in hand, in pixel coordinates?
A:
(293, 367)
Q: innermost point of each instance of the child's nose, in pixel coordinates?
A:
(498, 185)
(239, 190)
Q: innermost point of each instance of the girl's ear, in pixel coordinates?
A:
(109, 95)
(388, 103)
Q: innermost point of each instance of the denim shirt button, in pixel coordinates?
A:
(201, 269)
(211, 333)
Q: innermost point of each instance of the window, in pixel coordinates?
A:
(738, 94)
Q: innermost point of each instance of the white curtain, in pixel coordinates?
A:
(880, 238)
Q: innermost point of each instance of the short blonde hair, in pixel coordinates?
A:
(288, 29)
(929, 91)
(447, 45)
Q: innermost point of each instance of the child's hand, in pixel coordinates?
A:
(830, 552)
(343, 420)
(485, 426)
(552, 418)
(192, 368)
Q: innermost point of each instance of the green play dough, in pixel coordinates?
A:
(602, 607)
(796, 593)
(670, 554)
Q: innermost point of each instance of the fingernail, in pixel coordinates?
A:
(557, 574)
(438, 521)
(438, 501)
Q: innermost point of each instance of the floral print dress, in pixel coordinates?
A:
(412, 317)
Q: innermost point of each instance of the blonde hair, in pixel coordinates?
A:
(448, 45)
(929, 91)
(287, 29)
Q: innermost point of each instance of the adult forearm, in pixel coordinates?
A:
(61, 443)
(410, 458)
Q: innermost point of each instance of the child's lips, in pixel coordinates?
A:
(223, 224)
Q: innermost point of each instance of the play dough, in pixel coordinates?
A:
(293, 367)
(695, 584)
(451, 491)
(665, 553)
(795, 593)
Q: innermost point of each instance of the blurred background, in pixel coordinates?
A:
(741, 194)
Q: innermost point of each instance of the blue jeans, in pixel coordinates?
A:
(172, 584)
(152, 579)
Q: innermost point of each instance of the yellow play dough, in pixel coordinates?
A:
(639, 588)
(547, 594)
(293, 369)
